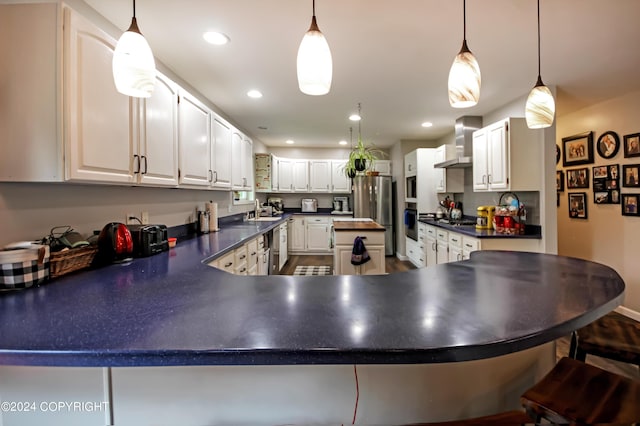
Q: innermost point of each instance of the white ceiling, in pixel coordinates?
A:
(392, 56)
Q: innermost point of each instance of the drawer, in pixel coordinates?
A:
(227, 262)
(442, 235)
(240, 257)
(320, 220)
(455, 239)
(470, 244)
(431, 231)
(261, 242)
(347, 237)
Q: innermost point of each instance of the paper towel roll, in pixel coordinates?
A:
(212, 208)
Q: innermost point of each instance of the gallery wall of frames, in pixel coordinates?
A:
(606, 183)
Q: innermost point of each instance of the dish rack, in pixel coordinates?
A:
(509, 219)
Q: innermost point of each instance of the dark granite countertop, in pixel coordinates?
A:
(172, 309)
(531, 231)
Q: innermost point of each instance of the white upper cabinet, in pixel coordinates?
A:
(195, 141)
(506, 155)
(447, 180)
(285, 175)
(100, 124)
(339, 180)
(300, 175)
(156, 162)
(411, 164)
(221, 152)
(319, 175)
(383, 167)
(242, 162)
(247, 164)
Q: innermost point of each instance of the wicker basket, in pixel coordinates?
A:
(507, 219)
(67, 261)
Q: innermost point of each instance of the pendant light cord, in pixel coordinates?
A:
(314, 8)
(134, 8)
(359, 121)
(538, 38)
(464, 19)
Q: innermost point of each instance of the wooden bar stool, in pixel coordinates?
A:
(613, 336)
(508, 418)
(575, 392)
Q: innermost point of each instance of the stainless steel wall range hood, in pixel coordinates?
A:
(465, 126)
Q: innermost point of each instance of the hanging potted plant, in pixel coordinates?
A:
(361, 157)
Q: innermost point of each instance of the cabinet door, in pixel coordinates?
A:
(297, 241)
(283, 245)
(383, 167)
(247, 164)
(100, 123)
(221, 152)
(157, 163)
(498, 176)
(194, 136)
(376, 266)
(285, 175)
(275, 173)
(320, 175)
(317, 234)
(300, 175)
(343, 258)
(432, 251)
(411, 164)
(442, 252)
(237, 141)
(339, 181)
(439, 175)
(455, 253)
(480, 165)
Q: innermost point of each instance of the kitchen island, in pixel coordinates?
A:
(373, 238)
(169, 340)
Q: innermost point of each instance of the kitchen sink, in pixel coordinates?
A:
(265, 219)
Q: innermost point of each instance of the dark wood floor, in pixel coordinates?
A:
(393, 264)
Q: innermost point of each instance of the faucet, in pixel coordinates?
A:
(257, 209)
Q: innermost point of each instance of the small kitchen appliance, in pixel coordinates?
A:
(277, 204)
(344, 203)
(148, 239)
(485, 217)
(115, 244)
(309, 205)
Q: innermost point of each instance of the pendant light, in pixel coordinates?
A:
(315, 67)
(134, 69)
(464, 76)
(540, 108)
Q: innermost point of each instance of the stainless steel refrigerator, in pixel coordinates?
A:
(373, 198)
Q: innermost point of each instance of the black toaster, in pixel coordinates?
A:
(148, 239)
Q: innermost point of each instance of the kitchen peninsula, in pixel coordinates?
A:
(372, 236)
(167, 339)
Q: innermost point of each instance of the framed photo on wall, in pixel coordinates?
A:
(578, 205)
(559, 180)
(608, 144)
(630, 204)
(631, 175)
(578, 178)
(577, 149)
(632, 145)
(606, 184)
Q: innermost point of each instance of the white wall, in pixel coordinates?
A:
(606, 236)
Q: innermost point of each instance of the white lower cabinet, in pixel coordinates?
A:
(469, 244)
(374, 243)
(283, 245)
(248, 259)
(310, 234)
(414, 252)
(455, 247)
(252, 257)
(442, 246)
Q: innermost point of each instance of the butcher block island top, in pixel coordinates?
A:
(356, 224)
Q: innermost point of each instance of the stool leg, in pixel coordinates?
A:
(574, 345)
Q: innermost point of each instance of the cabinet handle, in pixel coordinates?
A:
(434, 247)
(454, 240)
(291, 187)
(483, 178)
(242, 256)
(489, 179)
(469, 245)
(210, 175)
(215, 176)
(228, 264)
(145, 164)
(459, 256)
(136, 160)
(327, 187)
(243, 270)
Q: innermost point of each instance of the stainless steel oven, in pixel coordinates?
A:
(411, 223)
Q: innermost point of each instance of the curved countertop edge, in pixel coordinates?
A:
(480, 262)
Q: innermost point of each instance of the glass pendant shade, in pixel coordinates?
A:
(134, 69)
(315, 66)
(540, 108)
(464, 79)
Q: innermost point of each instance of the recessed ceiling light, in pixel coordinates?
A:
(216, 38)
(343, 142)
(355, 117)
(254, 94)
(427, 124)
(290, 142)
